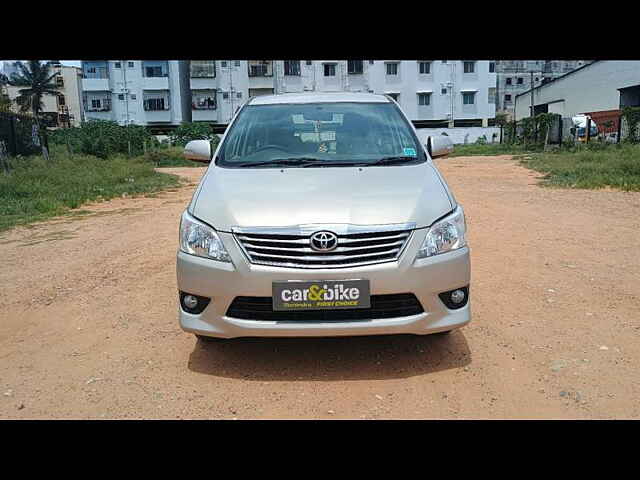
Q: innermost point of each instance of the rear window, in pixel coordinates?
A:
(338, 132)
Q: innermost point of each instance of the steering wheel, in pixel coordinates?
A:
(277, 147)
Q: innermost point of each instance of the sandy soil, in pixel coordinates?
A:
(88, 324)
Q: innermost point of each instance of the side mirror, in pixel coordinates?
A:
(440, 146)
(198, 150)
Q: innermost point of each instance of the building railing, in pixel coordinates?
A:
(95, 72)
(156, 104)
(105, 105)
(203, 69)
(264, 69)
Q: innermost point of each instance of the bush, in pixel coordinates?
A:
(193, 131)
(103, 138)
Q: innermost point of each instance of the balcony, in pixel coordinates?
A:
(260, 68)
(95, 76)
(156, 106)
(155, 75)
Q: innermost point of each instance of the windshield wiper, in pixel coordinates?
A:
(393, 160)
(279, 162)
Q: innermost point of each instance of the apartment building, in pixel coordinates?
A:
(65, 108)
(517, 76)
(141, 92)
(438, 92)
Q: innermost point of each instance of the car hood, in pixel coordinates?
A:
(274, 197)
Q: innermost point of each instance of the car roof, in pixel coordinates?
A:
(317, 97)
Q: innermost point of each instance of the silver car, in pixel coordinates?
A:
(322, 214)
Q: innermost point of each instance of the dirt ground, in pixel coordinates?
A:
(88, 325)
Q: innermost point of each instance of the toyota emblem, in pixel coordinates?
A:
(323, 241)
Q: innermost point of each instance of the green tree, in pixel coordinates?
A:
(37, 81)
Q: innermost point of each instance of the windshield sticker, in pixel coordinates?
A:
(411, 152)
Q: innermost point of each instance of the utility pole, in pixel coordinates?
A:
(531, 93)
(125, 91)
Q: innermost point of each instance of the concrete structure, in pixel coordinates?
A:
(141, 92)
(515, 77)
(603, 85)
(64, 109)
(440, 92)
(218, 88)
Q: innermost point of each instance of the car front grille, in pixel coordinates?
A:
(356, 245)
(382, 306)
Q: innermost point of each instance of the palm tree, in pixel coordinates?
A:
(36, 78)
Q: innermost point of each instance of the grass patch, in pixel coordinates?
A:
(615, 166)
(472, 149)
(36, 190)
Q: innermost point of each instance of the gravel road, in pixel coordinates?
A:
(88, 325)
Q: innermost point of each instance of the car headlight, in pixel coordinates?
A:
(201, 240)
(445, 235)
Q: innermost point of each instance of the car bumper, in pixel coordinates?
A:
(222, 282)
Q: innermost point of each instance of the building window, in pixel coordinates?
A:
(520, 80)
(443, 91)
(225, 95)
(469, 67)
(120, 96)
(203, 100)
(508, 80)
(424, 68)
(392, 68)
(260, 68)
(223, 64)
(237, 63)
(203, 68)
(492, 67)
(130, 64)
(371, 62)
(354, 67)
(239, 95)
(133, 96)
(329, 69)
(507, 98)
(292, 68)
(468, 98)
(96, 104)
(117, 65)
(61, 100)
(424, 99)
(309, 62)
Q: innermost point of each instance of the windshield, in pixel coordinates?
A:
(320, 134)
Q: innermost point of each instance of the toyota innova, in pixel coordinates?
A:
(322, 214)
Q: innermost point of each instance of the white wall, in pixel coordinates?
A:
(590, 89)
(461, 135)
